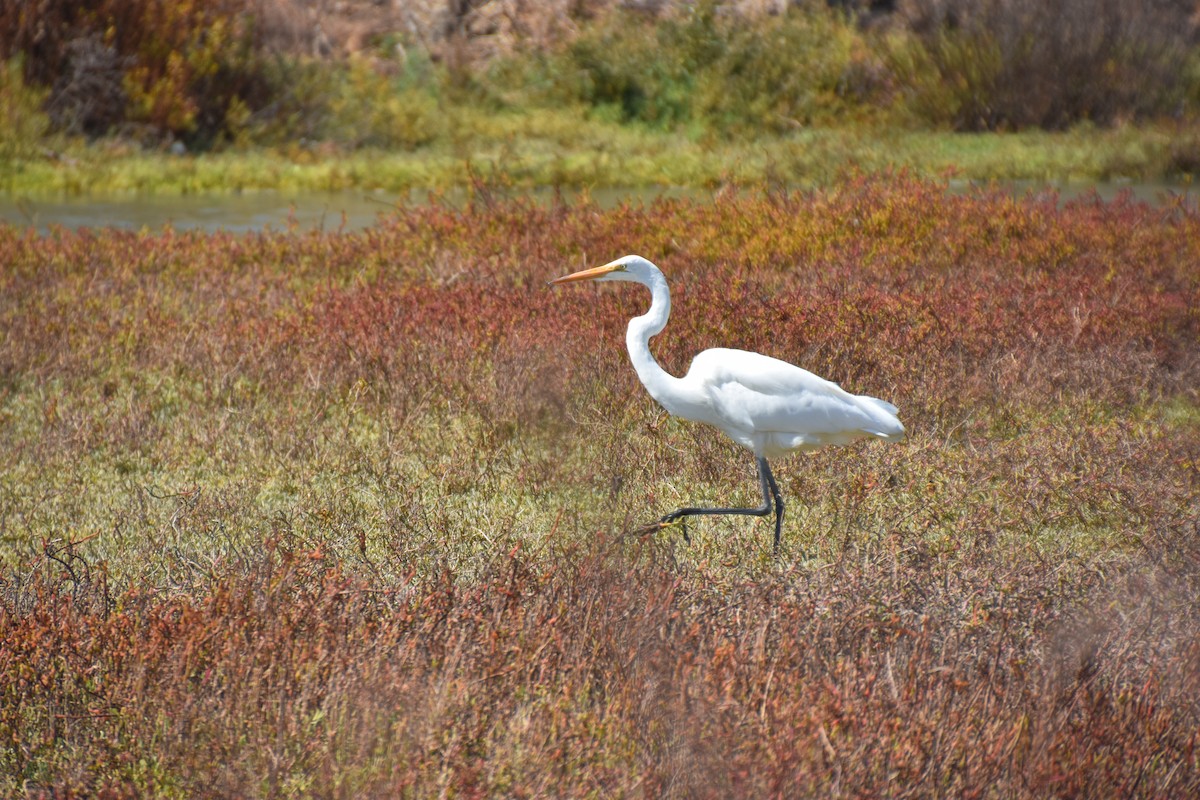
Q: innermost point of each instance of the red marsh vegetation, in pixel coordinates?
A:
(347, 515)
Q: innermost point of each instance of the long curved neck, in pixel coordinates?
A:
(662, 386)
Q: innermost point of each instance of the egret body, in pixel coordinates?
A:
(770, 407)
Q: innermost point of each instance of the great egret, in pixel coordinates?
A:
(768, 406)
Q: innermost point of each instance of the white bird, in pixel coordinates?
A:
(770, 407)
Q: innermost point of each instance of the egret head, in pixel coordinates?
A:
(627, 268)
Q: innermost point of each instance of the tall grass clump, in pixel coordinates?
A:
(357, 514)
(997, 64)
(350, 106)
(26, 124)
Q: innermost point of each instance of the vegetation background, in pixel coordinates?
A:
(356, 93)
(353, 514)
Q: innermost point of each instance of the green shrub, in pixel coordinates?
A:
(629, 70)
(727, 72)
(377, 110)
(351, 105)
(25, 124)
(788, 71)
(948, 76)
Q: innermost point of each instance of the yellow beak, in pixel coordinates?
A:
(589, 274)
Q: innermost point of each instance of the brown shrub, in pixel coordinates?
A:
(606, 669)
(89, 97)
(995, 64)
(175, 68)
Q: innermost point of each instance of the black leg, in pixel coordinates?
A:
(770, 491)
(778, 505)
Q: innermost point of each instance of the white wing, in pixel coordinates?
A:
(774, 407)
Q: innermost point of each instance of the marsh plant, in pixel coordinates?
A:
(352, 514)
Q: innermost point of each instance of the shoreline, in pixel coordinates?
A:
(525, 152)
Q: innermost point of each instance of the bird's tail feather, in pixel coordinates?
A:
(890, 427)
(885, 405)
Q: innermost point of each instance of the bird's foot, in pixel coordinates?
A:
(673, 519)
(668, 521)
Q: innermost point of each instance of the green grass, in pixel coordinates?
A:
(566, 148)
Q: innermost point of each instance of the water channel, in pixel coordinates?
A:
(257, 211)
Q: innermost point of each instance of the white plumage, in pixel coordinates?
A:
(768, 406)
(773, 408)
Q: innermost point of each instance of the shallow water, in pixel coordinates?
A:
(257, 211)
(1154, 193)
